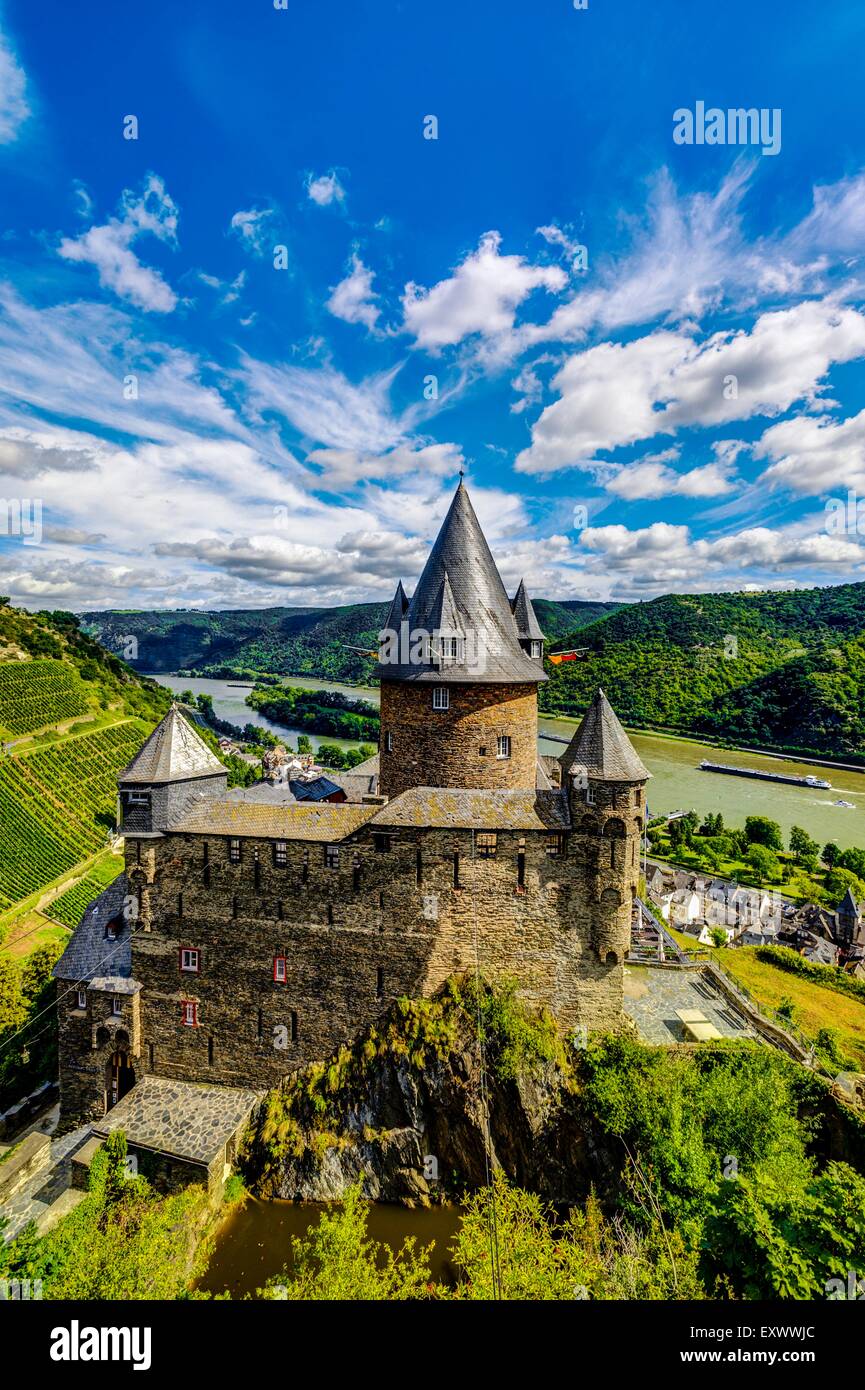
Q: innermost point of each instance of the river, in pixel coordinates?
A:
(677, 782)
(255, 1243)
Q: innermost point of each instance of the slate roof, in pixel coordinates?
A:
(848, 905)
(370, 767)
(601, 746)
(325, 821)
(184, 1119)
(397, 610)
(89, 953)
(357, 785)
(173, 753)
(528, 627)
(317, 789)
(443, 807)
(461, 581)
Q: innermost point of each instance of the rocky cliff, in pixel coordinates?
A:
(407, 1108)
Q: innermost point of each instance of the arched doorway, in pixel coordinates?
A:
(119, 1078)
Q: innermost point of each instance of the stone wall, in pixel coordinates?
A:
(87, 1040)
(388, 921)
(456, 747)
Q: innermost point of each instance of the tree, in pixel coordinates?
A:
(760, 830)
(304, 744)
(854, 860)
(764, 862)
(338, 1261)
(801, 844)
(831, 854)
(836, 883)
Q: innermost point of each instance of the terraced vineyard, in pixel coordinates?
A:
(68, 907)
(34, 694)
(57, 805)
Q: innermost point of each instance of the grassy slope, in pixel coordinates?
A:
(815, 1006)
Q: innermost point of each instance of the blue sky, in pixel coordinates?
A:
(244, 355)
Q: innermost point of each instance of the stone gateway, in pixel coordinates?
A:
(252, 933)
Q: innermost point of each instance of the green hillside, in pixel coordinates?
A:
(779, 670)
(279, 641)
(71, 715)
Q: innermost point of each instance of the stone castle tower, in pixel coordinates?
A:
(252, 933)
(459, 670)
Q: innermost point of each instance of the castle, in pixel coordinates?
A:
(252, 933)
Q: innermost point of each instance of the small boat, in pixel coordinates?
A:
(849, 804)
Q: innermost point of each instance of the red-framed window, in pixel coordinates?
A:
(280, 969)
(189, 1013)
(190, 960)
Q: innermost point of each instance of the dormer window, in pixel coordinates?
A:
(441, 697)
(112, 929)
(537, 649)
(451, 648)
(140, 798)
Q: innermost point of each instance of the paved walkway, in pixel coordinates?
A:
(653, 995)
(47, 1195)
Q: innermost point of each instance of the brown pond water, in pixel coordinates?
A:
(256, 1240)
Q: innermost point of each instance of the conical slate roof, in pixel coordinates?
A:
(528, 627)
(848, 905)
(492, 651)
(174, 752)
(397, 609)
(444, 615)
(602, 747)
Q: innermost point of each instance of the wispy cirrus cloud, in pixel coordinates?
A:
(14, 106)
(108, 247)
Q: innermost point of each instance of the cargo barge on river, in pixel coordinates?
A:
(809, 781)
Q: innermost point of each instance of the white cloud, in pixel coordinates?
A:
(652, 477)
(815, 454)
(253, 228)
(324, 406)
(325, 189)
(14, 109)
(662, 557)
(616, 394)
(353, 299)
(481, 296)
(109, 247)
(345, 467)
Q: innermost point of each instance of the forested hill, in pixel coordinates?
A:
(783, 670)
(279, 641)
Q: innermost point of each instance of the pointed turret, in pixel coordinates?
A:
(480, 609)
(173, 767)
(445, 626)
(174, 752)
(602, 748)
(529, 633)
(397, 610)
(459, 699)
